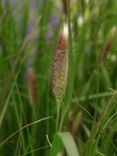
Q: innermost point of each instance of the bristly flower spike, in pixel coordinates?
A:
(32, 87)
(60, 66)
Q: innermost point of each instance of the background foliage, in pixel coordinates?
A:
(28, 37)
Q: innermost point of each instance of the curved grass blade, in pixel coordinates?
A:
(64, 140)
(22, 128)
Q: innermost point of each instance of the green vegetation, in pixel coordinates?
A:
(31, 122)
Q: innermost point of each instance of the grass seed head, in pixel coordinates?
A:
(60, 65)
(32, 87)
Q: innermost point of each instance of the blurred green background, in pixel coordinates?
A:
(28, 38)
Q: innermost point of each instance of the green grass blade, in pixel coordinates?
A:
(64, 140)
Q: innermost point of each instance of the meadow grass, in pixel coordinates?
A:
(86, 124)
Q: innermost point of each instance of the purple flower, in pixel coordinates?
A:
(54, 21)
(33, 4)
(12, 1)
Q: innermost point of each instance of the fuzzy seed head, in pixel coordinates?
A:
(32, 87)
(60, 66)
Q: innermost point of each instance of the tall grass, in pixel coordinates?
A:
(29, 32)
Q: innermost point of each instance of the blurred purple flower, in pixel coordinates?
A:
(12, 1)
(33, 4)
(54, 21)
(29, 30)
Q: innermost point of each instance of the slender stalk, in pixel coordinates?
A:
(58, 117)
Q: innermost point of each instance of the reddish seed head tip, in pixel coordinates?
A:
(63, 38)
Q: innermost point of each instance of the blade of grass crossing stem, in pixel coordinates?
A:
(64, 140)
(88, 151)
(22, 128)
